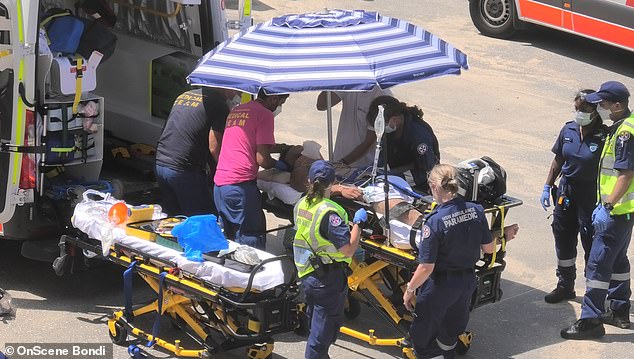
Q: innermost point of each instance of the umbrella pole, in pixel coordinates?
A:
(329, 117)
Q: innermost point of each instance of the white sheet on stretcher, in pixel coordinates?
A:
(269, 277)
(90, 217)
(399, 231)
(282, 191)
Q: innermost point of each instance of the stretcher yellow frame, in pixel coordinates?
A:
(181, 293)
(366, 276)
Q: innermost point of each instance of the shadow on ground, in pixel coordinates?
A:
(582, 49)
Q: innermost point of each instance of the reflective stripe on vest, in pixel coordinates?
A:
(608, 175)
(309, 241)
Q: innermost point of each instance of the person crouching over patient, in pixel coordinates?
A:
(411, 142)
(445, 280)
(323, 247)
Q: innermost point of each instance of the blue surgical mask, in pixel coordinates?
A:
(277, 111)
(583, 118)
(604, 113)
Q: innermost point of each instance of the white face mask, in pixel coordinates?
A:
(277, 111)
(234, 101)
(583, 118)
(604, 113)
(389, 129)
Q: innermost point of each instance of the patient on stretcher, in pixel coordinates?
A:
(404, 215)
(289, 186)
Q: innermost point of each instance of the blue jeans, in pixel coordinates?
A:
(325, 299)
(608, 270)
(184, 192)
(240, 211)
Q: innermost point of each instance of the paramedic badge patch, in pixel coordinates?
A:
(422, 148)
(426, 232)
(335, 220)
(593, 147)
(624, 136)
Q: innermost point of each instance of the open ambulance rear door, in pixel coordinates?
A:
(18, 32)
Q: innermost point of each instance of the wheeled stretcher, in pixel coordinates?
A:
(381, 278)
(245, 310)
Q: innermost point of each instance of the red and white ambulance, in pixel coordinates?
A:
(608, 21)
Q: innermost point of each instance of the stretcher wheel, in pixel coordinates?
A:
(302, 325)
(261, 351)
(121, 334)
(352, 307)
(464, 343)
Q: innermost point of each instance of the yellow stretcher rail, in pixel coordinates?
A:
(217, 319)
(381, 258)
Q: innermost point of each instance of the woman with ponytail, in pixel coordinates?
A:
(323, 248)
(453, 235)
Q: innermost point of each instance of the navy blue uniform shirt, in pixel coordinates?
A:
(416, 146)
(334, 229)
(184, 142)
(452, 235)
(581, 158)
(624, 149)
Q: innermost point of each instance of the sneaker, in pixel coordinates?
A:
(590, 328)
(616, 319)
(558, 294)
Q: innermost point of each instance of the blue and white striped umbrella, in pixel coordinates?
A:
(332, 50)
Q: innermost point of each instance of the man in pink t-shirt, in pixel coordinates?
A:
(246, 146)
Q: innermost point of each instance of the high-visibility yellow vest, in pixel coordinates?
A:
(608, 175)
(308, 241)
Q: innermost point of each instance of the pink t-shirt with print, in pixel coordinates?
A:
(248, 126)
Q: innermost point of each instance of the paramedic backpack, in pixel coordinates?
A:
(63, 30)
(69, 34)
(96, 37)
(481, 180)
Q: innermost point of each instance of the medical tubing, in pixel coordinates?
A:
(407, 191)
(127, 292)
(386, 189)
(379, 130)
(157, 321)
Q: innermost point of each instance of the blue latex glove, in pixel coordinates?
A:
(600, 218)
(360, 216)
(282, 166)
(545, 199)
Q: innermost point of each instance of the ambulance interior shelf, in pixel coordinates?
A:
(74, 142)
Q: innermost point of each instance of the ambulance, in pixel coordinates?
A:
(608, 21)
(64, 115)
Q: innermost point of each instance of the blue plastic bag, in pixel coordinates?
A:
(198, 235)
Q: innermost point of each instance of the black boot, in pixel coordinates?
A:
(590, 328)
(620, 319)
(558, 294)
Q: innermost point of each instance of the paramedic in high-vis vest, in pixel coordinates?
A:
(323, 247)
(608, 269)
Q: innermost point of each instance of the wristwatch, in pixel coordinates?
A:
(410, 290)
(607, 205)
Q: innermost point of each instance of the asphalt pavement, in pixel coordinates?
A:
(509, 105)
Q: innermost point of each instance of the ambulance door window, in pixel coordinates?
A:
(607, 20)
(6, 98)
